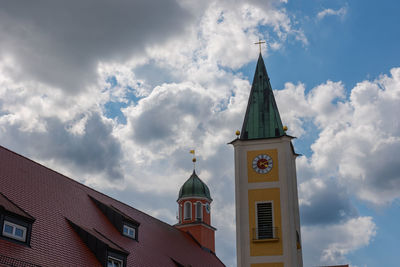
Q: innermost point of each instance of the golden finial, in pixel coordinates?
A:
(259, 43)
(237, 133)
(194, 158)
(285, 128)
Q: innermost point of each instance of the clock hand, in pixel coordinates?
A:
(264, 163)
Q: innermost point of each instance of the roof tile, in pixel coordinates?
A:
(50, 197)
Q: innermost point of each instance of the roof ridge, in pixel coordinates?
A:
(16, 166)
(124, 250)
(203, 248)
(85, 186)
(123, 213)
(18, 207)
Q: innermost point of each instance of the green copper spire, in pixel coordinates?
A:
(262, 118)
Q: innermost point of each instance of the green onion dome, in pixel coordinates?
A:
(194, 187)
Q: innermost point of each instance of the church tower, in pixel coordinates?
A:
(267, 209)
(195, 211)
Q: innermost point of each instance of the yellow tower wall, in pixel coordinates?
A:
(278, 186)
(267, 247)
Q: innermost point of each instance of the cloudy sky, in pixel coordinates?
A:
(115, 93)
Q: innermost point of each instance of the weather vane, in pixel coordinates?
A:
(194, 158)
(259, 44)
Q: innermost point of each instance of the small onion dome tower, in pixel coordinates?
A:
(195, 212)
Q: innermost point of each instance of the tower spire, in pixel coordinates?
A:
(262, 119)
(267, 207)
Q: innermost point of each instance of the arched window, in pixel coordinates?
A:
(187, 211)
(199, 211)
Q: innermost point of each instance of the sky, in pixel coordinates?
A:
(114, 94)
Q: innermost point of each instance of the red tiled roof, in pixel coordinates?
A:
(6, 204)
(123, 214)
(51, 198)
(101, 237)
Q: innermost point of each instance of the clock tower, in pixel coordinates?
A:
(267, 209)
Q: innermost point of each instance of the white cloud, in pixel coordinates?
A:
(30, 102)
(341, 12)
(355, 153)
(323, 104)
(330, 244)
(60, 44)
(364, 144)
(359, 138)
(226, 24)
(179, 92)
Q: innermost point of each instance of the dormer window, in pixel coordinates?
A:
(126, 225)
(14, 231)
(15, 223)
(113, 262)
(129, 231)
(105, 250)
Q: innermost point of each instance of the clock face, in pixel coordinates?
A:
(208, 208)
(262, 163)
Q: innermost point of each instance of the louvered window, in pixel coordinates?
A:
(265, 228)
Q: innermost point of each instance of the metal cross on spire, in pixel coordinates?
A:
(259, 44)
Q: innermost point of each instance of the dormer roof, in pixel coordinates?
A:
(32, 190)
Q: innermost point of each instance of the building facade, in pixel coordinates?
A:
(48, 219)
(267, 209)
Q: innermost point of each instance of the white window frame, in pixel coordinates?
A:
(272, 212)
(128, 228)
(180, 213)
(114, 260)
(187, 217)
(13, 235)
(198, 203)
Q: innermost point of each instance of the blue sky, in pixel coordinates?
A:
(360, 45)
(116, 97)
